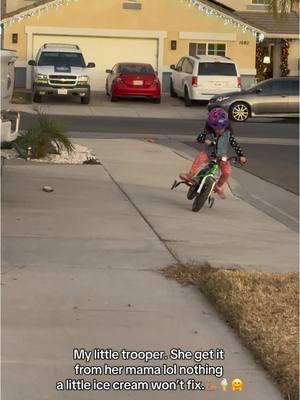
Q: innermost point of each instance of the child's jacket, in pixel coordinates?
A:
(222, 142)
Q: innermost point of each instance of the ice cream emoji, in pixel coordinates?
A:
(224, 384)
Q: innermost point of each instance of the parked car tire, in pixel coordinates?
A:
(157, 101)
(113, 98)
(239, 112)
(172, 91)
(37, 98)
(85, 99)
(187, 101)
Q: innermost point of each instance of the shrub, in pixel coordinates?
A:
(48, 136)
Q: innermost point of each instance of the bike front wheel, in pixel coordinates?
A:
(192, 192)
(201, 197)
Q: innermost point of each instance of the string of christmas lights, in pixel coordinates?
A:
(35, 12)
(205, 9)
(227, 20)
(284, 57)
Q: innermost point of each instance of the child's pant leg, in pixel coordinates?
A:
(201, 159)
(226, 171)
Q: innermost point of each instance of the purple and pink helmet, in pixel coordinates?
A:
(218, 118)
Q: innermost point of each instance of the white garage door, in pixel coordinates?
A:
(105, 52)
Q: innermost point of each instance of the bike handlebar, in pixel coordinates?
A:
(233, 160)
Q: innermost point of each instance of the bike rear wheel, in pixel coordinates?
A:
(201, 198)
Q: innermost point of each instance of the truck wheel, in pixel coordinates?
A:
(37, 98)
(85, 99)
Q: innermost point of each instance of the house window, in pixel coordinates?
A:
(216, 49)
(211, 49)
(261, 2)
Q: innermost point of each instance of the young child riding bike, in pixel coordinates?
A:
(216, 136)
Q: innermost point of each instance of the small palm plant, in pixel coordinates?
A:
(48, 136)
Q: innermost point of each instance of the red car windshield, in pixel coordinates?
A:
(136, 69)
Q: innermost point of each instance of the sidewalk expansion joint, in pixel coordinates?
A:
(173, 254)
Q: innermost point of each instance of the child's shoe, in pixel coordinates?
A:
(220, 191)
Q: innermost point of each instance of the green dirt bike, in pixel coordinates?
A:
(201, 188)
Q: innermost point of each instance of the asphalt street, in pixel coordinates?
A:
(276, 163)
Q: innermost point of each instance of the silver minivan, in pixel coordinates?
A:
(202, 77)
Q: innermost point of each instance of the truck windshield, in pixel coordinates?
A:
(59, 58)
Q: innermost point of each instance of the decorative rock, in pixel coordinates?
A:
(48, 189)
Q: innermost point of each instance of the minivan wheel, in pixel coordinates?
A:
(239, 112)
(187, 101)
(172, 91)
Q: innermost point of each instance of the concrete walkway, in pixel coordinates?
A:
(80, 269)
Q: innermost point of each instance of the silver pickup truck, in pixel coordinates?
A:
(60, 69)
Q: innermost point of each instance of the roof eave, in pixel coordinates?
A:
(236, 21)
(282, 36)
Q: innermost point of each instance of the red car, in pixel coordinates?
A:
(133, 80)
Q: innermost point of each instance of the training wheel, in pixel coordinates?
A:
(211, 201)
(174, 185)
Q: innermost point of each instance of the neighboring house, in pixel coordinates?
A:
(281, 35)
(108, 31)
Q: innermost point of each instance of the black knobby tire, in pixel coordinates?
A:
(172, 91)
(187, 101)
(201, 198)
(192, 192)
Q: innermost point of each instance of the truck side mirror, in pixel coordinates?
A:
(91, 65)
(108, 71)
(31, 62)
(173, 67)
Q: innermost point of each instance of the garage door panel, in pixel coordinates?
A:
(105, 52)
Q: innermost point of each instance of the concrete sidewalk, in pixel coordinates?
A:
(79, 269)
(102, 107)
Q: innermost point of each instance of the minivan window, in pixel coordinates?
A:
(59, 58)
(179, 65)
(219, 68)
(187, 66)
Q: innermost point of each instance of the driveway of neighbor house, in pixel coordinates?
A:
(80, 269)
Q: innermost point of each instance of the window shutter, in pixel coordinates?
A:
(193, 49)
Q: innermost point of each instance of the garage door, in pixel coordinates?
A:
(105, 52)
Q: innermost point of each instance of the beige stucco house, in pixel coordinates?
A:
(280, 32)
(110, 31)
